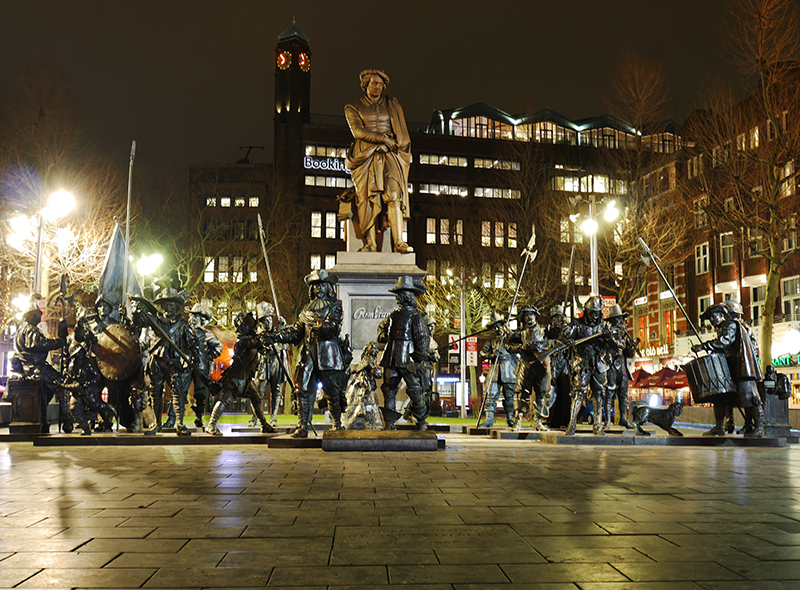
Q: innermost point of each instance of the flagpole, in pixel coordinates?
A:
(128, 231)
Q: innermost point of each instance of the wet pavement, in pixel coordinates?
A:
(480, 514)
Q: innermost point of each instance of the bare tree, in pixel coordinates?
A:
(44, 149)
(749, 145)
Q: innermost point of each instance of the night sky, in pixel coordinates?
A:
(191, 81)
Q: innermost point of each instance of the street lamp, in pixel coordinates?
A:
(590, 228)
(462, 344)
(147, 265)
(59, 204)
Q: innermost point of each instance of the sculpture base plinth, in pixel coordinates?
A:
(380, 440)
(559, 438)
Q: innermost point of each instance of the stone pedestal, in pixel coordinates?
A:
(379, 440)
(28, 409)
(364, 282)
(776, 416)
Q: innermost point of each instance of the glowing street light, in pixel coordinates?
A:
(147, 265)
(59, 204)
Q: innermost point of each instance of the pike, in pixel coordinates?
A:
(530, 255)
(269, 270)
(567, 300)
(62, 297)
(128, 229)
(649, 257)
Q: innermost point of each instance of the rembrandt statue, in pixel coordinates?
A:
(378, 159)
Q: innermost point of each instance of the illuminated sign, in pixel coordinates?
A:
(329, 164)
(656, 350)
(640, 300)
(665, 294)
(787, 360)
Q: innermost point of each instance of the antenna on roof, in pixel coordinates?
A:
(249, 148)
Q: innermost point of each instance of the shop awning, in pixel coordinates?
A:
(657, 379)
(677, 381)
(638, 376)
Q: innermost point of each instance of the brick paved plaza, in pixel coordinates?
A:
(482, 514)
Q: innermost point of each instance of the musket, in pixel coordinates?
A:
(488, 328)
(529, 254)
(153, 323)
(543, 355)
(269, 270)
(650, 257)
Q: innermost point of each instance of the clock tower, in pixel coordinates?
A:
(292, 105)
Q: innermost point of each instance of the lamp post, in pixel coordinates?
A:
(462, 384)
(590, 227)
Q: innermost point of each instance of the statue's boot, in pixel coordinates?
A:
(719, 418)
(216, 413)
(418, 408)
(389, 402)
(598, 429)
(489, 422)
(67, 421)
(370, 245)
(266, 427)
(608, 407)
(575, 409)
(508, 406)
(757, 415)
(395, 213)
(729, 425)
(304, 404)
(157, 404)
(179, 408)
(276, 404)
(623, 411)
(197, 409)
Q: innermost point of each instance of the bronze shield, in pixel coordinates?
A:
(118, 353)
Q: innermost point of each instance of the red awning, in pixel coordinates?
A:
(638, 376)
(677, 381)
(657, 379)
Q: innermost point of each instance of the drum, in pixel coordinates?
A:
(710, 380)
(118, 353)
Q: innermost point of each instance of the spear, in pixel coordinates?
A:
(128, 230)
(269, 270)
(530, 255)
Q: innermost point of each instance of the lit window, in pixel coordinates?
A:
(330, 260)
(700, 212)
(316, 261)
(211, 201)
(701, 258)
(430, 234)
(790, 239)
(316, 224)
(565, 224)
(726, 248)
(237, 275)
(512, 235)
(330, 225)
(252, 269)
(253, 201)
(225, 202)
(486, 274)
(444, 231)
(430, 270)
(459, 237)
(790, 297)
(486, 233)
(208, 274)
(222, 276)
(499, 280)
(239, 202)
(756, 240)
(757, 297)
(499, 232)
(703, 303)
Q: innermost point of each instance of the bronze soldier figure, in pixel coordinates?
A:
(533, 377)
(405, 358)
(272, 362)
(622, 348)
(324, 356)
(210, 348)
(504, 380)
(84, 381)
(237, 380)
(738, 343)
(31, 348)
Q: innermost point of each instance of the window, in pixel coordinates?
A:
(252, 269)
(252, 230)
(499, 280)
(239, 202)
(434, 160)
(238, 264)
(430, 233)
(222, 275)
(740, 142)
(238, 230)
(790, 239)
(497, 193)
(330, 225)
(329, 181)
(430, 270)
(701, 258)
(727, 205)
(316, 224)
(488, 164)
(786, 175)
(208, 273)
(252, 201)
(499, 234)
(326, 151)
(790, 297)
(700, 212)
(459, 235)
(316, 261)
(703, 303)
(757, 297)
(726, 248)
(512, 235)
(444, 231)
(211, 201)
(565, 230)
(225, 202)
(330, 260)
(443, 189)
(486, 233)
(754, 138)
(756, 241)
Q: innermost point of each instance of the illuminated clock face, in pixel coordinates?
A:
(284, 60)
(305, 62)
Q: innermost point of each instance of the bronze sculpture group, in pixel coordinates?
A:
(590, 354)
